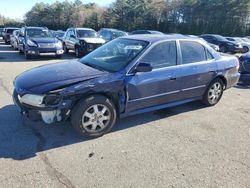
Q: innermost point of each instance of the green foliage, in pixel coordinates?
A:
(226, 17)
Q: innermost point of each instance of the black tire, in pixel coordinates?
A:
(78, 52)
(84, 107)
(245, 49)
(27, 56)
(210, 98)
(58, 56)
(223, 49)
(65, 49)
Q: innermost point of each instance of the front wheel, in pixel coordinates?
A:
(65, 49)
(214, 92)
(94, 116)
(223, 49)
(78, 52)
(27, 56)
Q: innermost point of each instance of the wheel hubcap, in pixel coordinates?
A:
(214, 93)
(96, 118)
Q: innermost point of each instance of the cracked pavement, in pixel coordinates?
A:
(185, 146)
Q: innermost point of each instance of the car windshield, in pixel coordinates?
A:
(84, 33)
(117, 34)
(39, 33)
(10, 30)
(59, 34)
(115, 55)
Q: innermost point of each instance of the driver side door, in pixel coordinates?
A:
(161, 85)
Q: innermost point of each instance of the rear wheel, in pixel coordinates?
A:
(94, 116)
(214, 92)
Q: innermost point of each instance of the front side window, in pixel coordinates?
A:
(39, 33)
(84, 33)
(192, 52)
(162, 55)
(68, 33)
(114, 55)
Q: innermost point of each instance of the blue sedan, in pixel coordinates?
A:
(127, 76)
(245, 68)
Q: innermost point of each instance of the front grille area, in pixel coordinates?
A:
(93, 46)
(246, 66)
(46, 45)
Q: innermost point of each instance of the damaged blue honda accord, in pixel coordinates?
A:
(127, 76)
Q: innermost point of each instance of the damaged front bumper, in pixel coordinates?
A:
(48, 113)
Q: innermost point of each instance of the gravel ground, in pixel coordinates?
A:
(184, 146)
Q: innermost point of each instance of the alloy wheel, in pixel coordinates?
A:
(215, 93)
(96, 118)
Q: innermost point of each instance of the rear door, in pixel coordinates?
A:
(161, 85)
(198, 68)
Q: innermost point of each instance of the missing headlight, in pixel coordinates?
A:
(51, 100)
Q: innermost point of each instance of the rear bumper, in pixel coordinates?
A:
(232, 80)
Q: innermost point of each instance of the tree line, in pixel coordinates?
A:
(225, 17)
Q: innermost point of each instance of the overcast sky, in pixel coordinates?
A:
(17, 8)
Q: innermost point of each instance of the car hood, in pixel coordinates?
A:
(44, 40)
(54, 76)
(93, 40)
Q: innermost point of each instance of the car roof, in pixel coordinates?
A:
(155, 37)
(84, 28)
(36, 27)
(111, 29)
(12, 28)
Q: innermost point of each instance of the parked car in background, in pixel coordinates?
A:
(224, 44)
(109, 34)
(126, 76)
(245, 68)
(137, 32)
(59, 34)
(245, 45)
(81, 41)
(7, 33)
(1, 32)
(215, 47)
(14, 39)
(38, 41)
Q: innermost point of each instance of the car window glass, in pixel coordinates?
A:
(209, 56)
(106, 34)
(68, 33)
(192, 52)
(162, 55)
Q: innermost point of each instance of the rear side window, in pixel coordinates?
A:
(162, 55)
(192, 52)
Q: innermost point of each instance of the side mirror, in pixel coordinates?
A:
(72, 36)
(143, 67)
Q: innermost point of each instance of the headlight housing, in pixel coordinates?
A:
(50, 100)
(33, 100)
(31, 43)
(59, 44)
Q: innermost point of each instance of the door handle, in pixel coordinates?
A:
(173, 78)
